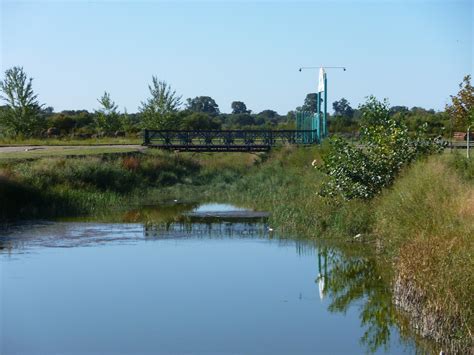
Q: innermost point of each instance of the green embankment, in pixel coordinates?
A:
(423, 226)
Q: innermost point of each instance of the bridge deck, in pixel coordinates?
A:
(227, 141)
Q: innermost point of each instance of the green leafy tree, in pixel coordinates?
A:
(239, 107)
(203, 104)
(461, 109)
(160, 110)
(362, 172)
(343, 108)
(269, 117)
(200, 121)
(310, 103)
(243, 119)
(23, 113)
(398, 110)
(107, 118)
(126, 123)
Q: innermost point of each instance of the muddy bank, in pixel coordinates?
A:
(428, 321)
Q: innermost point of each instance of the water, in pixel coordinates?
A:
(184, 287)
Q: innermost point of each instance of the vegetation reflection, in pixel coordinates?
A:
(350, 280)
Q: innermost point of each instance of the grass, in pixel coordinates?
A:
(426, 224)
(87, 184)
(69, 141)
(62, 152)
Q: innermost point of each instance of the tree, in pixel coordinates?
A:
(291, 116)
(343, 108)
(239, 107)
(200, 121)
(23, 113)
(48, 111)
(107, 117)
(398, 109)
(268, 114)
(310, 103)
(362, 172)
(160, 110)
(461, 109)
(125, 120)
(243, 119)
(204, 104)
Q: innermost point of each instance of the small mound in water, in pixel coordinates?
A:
(223, 212)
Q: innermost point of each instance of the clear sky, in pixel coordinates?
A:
(411, 52)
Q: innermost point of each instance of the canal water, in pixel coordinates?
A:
(187, 279)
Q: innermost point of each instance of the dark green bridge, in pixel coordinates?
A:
(227, 140)
(311, 128)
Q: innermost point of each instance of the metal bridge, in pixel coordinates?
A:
(311, 128)
(227, 140)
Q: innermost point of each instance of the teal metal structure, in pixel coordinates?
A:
(315, 124)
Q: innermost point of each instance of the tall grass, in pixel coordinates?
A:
(286, 183)
(426, 223)
(61, 186)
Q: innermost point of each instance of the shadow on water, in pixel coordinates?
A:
(344, 279)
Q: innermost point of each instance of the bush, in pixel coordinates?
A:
(362, 172)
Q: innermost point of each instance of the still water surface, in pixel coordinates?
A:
(168, 285)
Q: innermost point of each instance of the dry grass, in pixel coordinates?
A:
(427, 224)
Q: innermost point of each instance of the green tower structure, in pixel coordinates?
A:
(313, 125)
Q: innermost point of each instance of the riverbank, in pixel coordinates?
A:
(421, 228)
(426, 226)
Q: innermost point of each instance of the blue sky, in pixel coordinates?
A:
(411, 52)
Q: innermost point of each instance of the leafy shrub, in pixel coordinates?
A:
(362, 172)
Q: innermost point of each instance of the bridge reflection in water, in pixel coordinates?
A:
(206, 230)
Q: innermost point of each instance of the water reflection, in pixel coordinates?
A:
(355, 280)
(344, 281)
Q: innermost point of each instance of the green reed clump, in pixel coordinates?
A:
(19, 200)
(118, 174)
(83, 184)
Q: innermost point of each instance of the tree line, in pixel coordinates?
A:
(22, 114)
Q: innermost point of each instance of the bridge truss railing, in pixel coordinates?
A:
(227, 139)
